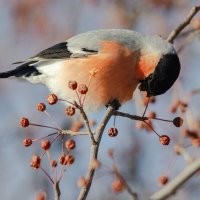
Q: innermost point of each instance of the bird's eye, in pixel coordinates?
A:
(150, 76)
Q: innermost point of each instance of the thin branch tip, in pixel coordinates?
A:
(174, 33)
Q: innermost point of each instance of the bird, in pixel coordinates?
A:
(121, 59)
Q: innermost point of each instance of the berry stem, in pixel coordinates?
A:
(50, 160)
(43, 126)
(66, 101)
(146, 107)
(45, 172)
(61, 173)
(49, 135)
(79, 98)
(114, 120)
(52, 141)
(88, 89)
(151, 128)
(62, 144)
(165, 120)
(51, 118)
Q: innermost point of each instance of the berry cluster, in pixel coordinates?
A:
(66, 158)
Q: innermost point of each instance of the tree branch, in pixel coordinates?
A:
(181, 150)
(177, 182)
(86, 122)
(56, 190)
(94, 151)
(182, 25)
(74, 133)
(133, 117)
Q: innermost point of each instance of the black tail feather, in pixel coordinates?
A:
(24, 70)
(8, 74)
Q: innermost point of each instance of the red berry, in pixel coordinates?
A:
(24, 122)
(189, 133)
(72, 85)
(183, 106)
(111, 153)
(70, 144)
(69, 159)
(41, 196)
(196, 23)
(195, 142)
(173, 108)
(41, 107)
(178, 121)
(27, 142)
(112, 132)
(54, 163)
(164, 139)
(52, 99)
(152, 115)
(117, 185)
(70, 111)
(163, 180)
(62, 159)
(82, 182)
(76, 126)
(45, 144)
(35, 162)
(82, 89)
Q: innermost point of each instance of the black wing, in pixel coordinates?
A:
(57, 51)
(60, 51)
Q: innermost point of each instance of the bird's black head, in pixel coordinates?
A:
(164, 76)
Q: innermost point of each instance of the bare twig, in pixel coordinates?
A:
(86, 122)
(177, 182)
(133, 117)
(94, 151)
(188, 39)
(127, 187)
(186, 33)
(181, 150)
(74, 133)
(182, 25)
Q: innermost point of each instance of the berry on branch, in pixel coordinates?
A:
(117, 185)
(82, 89)
(35, 162)
(163, 180)
(41, 107)
(70, 111)
(178, 121)
(72, 85)
(112, 132)
(45, 144)
(52, 99)
(24, 122)
(164, 139)
(27, 142)
(70, 144)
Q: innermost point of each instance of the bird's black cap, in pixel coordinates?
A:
(164, 76)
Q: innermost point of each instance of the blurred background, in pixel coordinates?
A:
(27, 27)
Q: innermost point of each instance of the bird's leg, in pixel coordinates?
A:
(115, 103)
